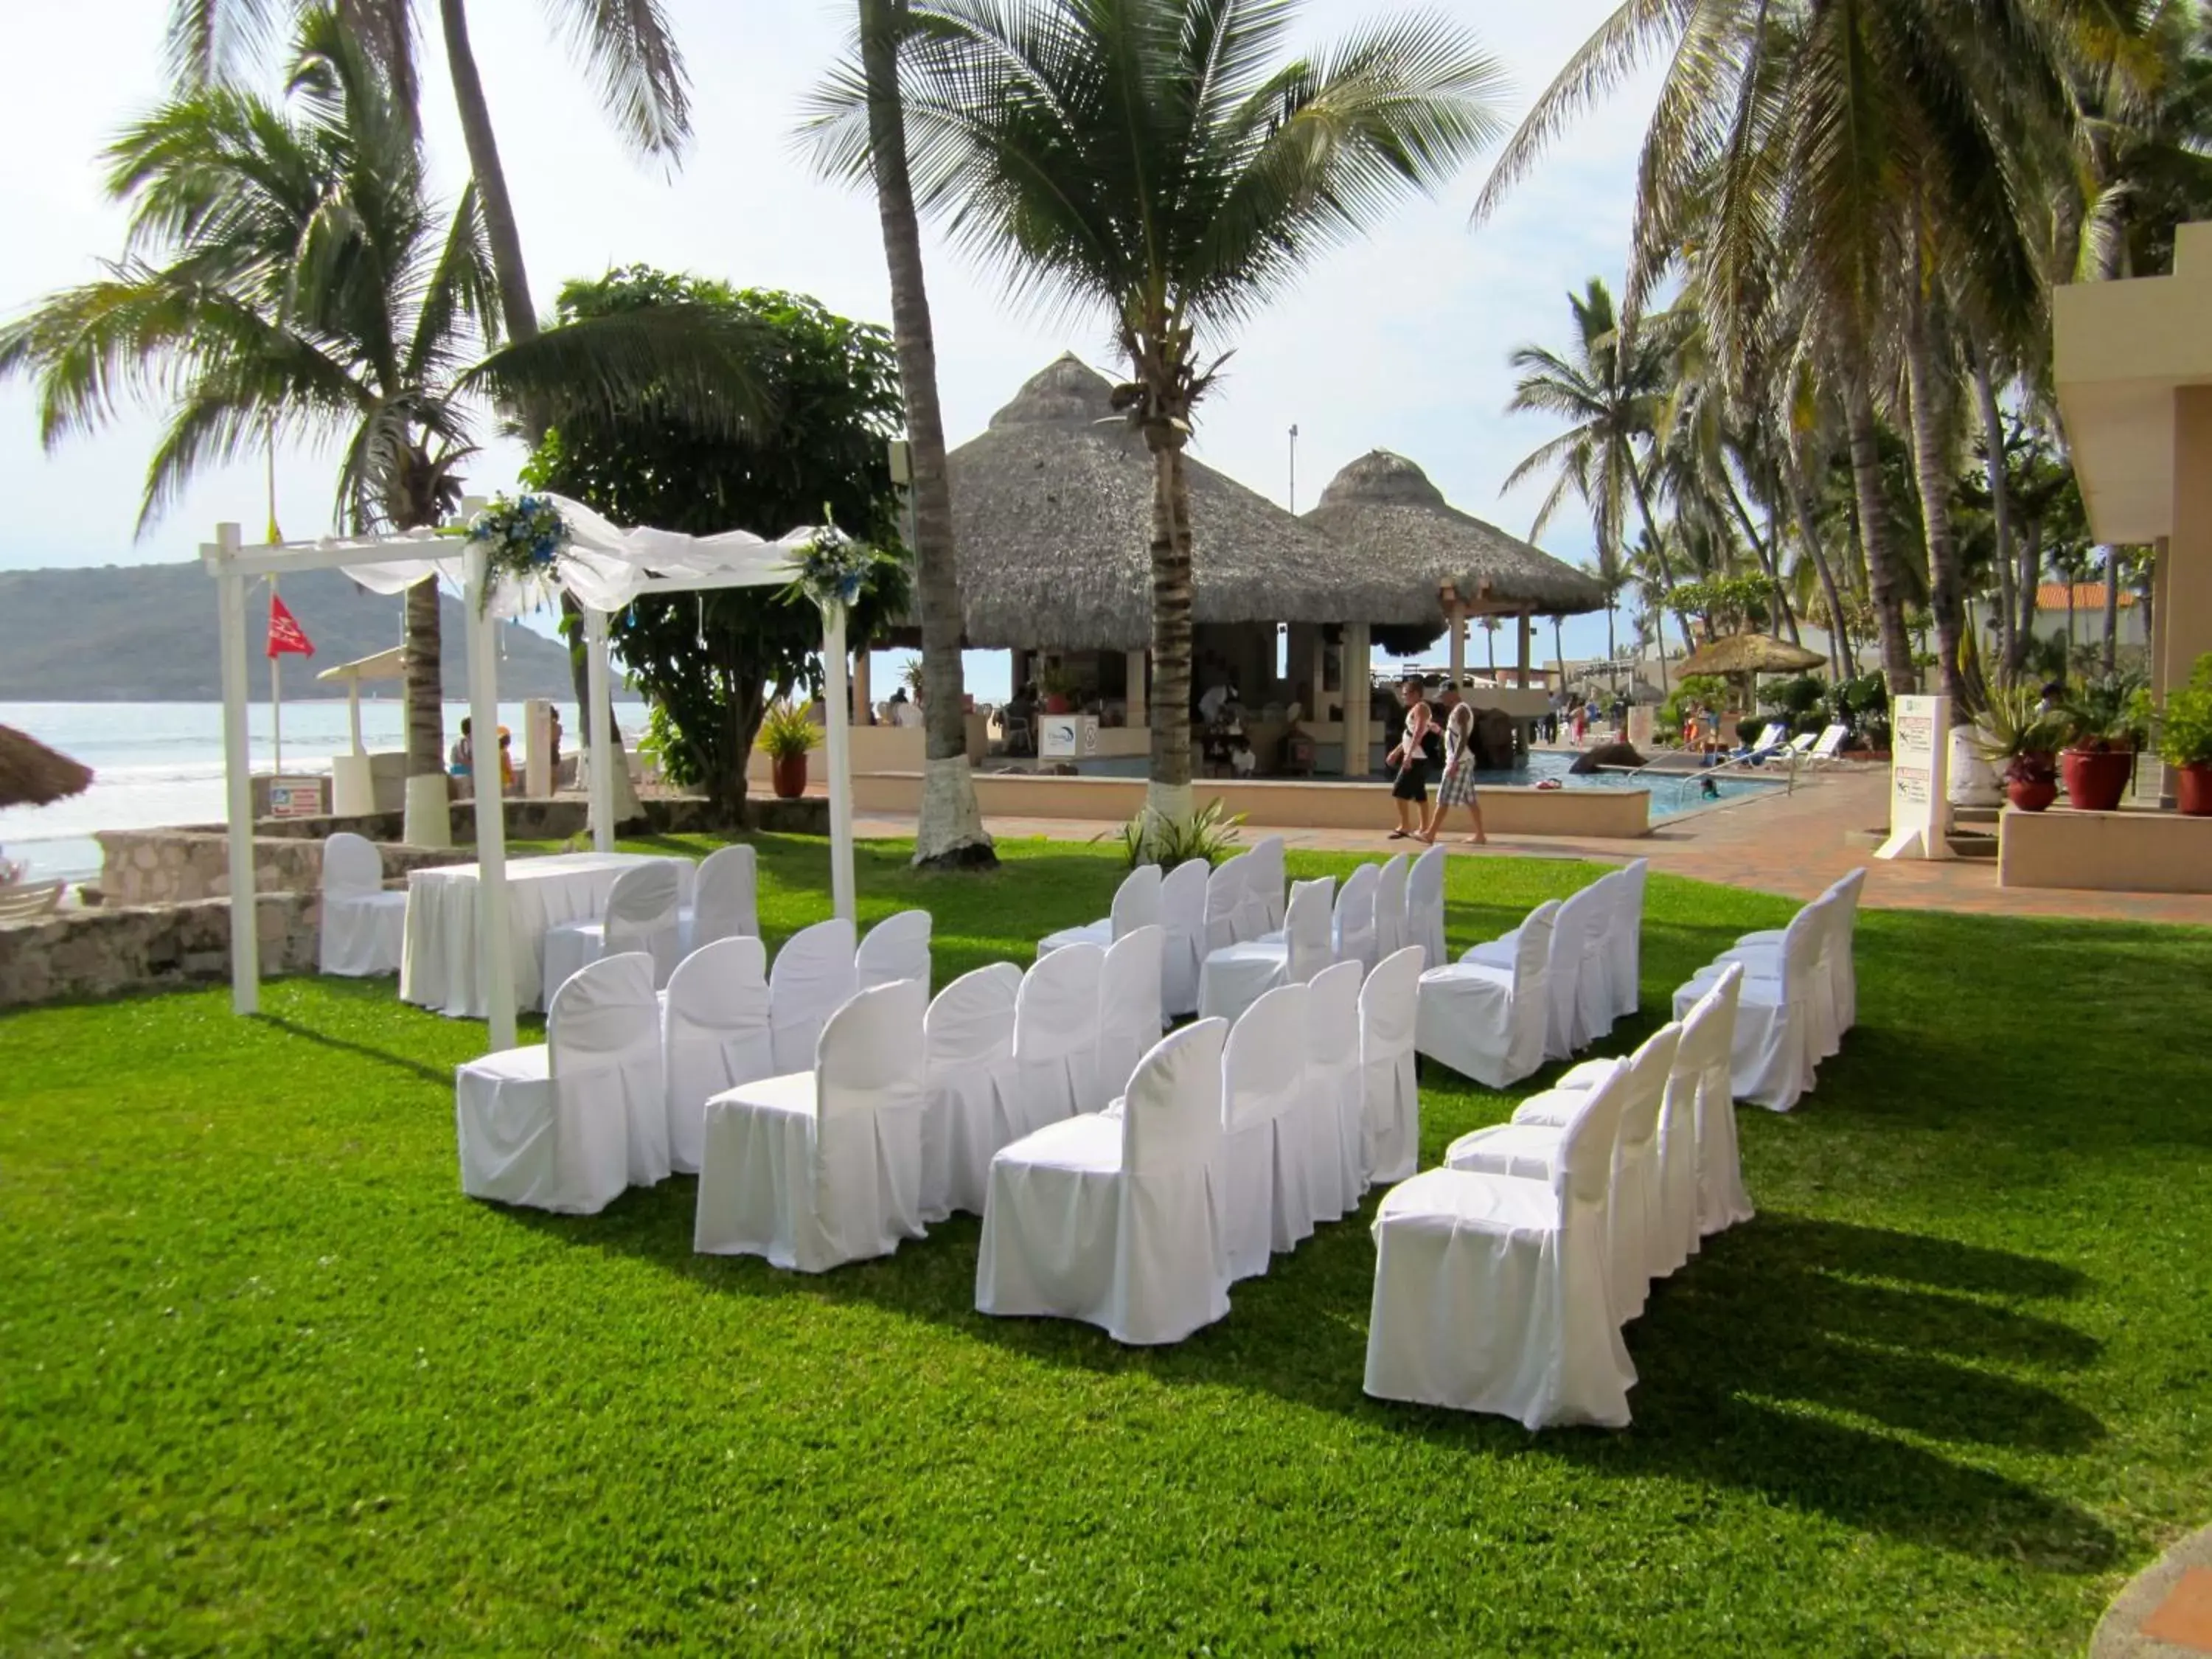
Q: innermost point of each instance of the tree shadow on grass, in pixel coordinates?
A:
(442, 1077)
(1788, 1359)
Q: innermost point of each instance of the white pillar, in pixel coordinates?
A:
(841, 765)
(238, 777)
(494, 938)
(353, 713)
(1457, 628)
(1140, 713)
(863, 695)
(1356, 696)
(597, 720)
(537, 748)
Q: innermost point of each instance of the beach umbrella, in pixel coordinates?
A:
(32, 774)
(1749, 654)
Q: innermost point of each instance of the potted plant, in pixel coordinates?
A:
(2184, 738)
(1059, 684)
(2107, 721)
(786, 734)
(2021, 738)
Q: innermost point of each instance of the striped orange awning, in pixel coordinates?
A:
(2088, 596)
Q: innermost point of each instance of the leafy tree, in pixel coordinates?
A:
(708, 658)
(1164, 162)
(288, 276)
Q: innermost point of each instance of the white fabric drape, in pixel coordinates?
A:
(1425, 907)
(896, 948)
(1183, 914)
(1056, 1037)
(1390, 1116)
(1391, 906)
(967, 1044)
(1263, 909)
(641, 914)
(1333, 1083)
(1128, 1009)
(1266, 1146)
(1355, 916)
(813, 976)
(715, 1035)
(724, 902)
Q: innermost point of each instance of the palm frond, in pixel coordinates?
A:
(682, 362)
(630, 51)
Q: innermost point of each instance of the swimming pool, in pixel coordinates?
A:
(1672, 793)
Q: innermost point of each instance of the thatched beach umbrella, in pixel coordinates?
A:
(1408, 543)
(32, 774)
(1052, 510)
(1749, 654)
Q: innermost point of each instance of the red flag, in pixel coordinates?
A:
(285, 634)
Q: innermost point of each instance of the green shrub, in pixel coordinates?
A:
(1805, 694)
(1689, 689)
(1209, 835)
(784, 731)
(2184, 727)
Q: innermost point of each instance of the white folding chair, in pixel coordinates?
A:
(715, 1035)
(1228, 903)
(1779, 1019)
(1625, 938)
(1565, 1023)
(1390, 1107)
(1128, 1011)
(817, 1168)
(1355, 916)
(1390, 935)
(896, 948)
(1182, 915)
(1701, 1073)
(364, 928)
(1760, 953)
(1265, 881)
(967, 1060)
(1235, 977)
(1487, 1021)
(1336, 1094)
(1114, 1220)
(566, 1124)
(812, 978)
(641, 915)
(1594, 998)
(1267, 1197)
(1136, 904)
(1425, 907)
(1492, 1292)
(1056, 1037)
(724, 902)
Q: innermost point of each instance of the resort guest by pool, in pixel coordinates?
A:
(505, 761)
(463, 755)
(1409, 788)
(1456, 787)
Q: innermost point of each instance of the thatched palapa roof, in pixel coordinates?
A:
(1052, 507)
(32, 774)
(1383, 508)
(1749, 654)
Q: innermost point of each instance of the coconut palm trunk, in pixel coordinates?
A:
(1168, 795)
(1881, 568)
(1932, 474)
(2111, 610)
(2010, 646)
(1841, 653)
(951, 830)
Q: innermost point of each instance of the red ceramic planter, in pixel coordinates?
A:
(2096, 778)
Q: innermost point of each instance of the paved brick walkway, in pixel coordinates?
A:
(1793, 845)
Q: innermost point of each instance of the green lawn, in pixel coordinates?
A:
(268, 1382)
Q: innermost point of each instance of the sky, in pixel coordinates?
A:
(1398, 342)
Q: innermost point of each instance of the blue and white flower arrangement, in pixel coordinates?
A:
(833, 568)
(523, 540)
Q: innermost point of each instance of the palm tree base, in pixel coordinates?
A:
(950, 834)
(428, 821)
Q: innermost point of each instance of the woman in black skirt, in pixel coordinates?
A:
(1409, 788)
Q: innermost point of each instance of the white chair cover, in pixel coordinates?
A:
(1425, 907)
(1355, 916)
(1566, 1025)
(1264, 873)
(968, 1040)
(1114, 1220)
(1701, 1065)
(1487, 1021)
(1760, 954)
(1267, 1202)
(1492, 1292)
(641, 915)
(1183, 914)
(1136, 904)
(1238, 975)
(364, 928)
(1390, 1109)
(1625, 938)
(1228, 903)
(1056, 1037)
(812, 978)
(1128, 1009)
(715, 1035)
(1780, 1021)
(1390, 933)
(1335, 1095)
(814, 1169)
(566, 1124)
(896, 948)
(725, 899)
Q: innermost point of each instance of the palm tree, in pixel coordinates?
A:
(288, 274)
(1160, 161)
(951, 830)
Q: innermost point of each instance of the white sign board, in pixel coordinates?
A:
(1064, 737)
(1919, 782)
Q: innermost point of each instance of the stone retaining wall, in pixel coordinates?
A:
(77, 954)
(182, 867)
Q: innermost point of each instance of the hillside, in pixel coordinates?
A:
(147, 634)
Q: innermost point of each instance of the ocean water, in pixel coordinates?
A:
(156, 763)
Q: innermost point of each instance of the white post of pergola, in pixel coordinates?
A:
(598, 720)
(238, 775)
(836, 722)
(1457, 613)
(494, 938)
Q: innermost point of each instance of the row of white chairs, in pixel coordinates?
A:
(1503, 1279)
(1230, 1144)
(1800, 995)
(617, 1095)
(1544, 991)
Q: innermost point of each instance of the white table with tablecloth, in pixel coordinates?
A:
(438, 967)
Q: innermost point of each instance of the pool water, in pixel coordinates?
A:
(1672, 793)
